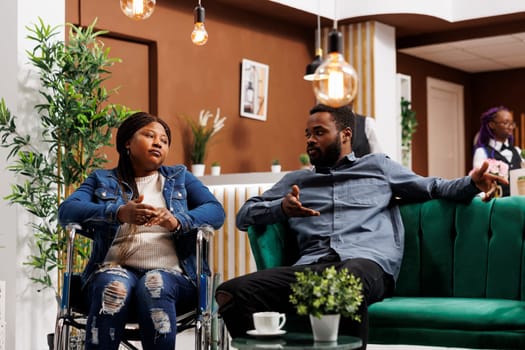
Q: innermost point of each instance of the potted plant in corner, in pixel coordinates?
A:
(202, 134)
(71, 122)
(276, 166)
(325, 297)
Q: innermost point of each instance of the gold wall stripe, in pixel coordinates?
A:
(372, 35)
(225, 239)
(365, 47)
(216, 236)
(247, 249)
(237, 233)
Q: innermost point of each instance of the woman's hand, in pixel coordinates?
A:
(136, 212)
(164, 218)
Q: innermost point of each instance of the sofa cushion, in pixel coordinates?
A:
(449, 313)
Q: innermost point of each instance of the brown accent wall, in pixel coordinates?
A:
(190, 78)
(419, 70)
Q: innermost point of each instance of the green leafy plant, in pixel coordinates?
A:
(215, 163)
(329, 292)
(202, 133)
(275, 162)
(304, 159)
(75, 121)
(408, 123)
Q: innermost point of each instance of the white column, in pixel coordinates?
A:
(29, 314)
(385, 94)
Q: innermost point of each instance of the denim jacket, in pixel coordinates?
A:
(95, 203)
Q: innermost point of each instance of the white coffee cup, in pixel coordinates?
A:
(268, 322)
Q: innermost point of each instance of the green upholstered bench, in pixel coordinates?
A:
(462, 280)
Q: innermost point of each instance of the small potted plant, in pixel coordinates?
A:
(325, 297)
(304, 159)
(276, 166)
(215, 169)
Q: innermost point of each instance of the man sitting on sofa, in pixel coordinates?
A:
(343, 215)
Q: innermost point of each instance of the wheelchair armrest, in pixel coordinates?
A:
(71, 231)
(204, 236)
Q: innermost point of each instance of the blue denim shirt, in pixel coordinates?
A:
(356, 200)
(94, 206)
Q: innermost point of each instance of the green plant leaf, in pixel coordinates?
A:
(76, 121)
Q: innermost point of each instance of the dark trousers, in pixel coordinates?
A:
(269, 290)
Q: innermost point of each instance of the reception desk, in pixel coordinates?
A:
(230, 254)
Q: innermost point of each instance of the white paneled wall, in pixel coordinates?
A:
(230, 253)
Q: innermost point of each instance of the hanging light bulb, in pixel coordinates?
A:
(199, 35)
(318, 60)
(335, 81)
(137, 9)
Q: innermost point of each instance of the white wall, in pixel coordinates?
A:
(385, 97)
(29, 314)
(8, 229)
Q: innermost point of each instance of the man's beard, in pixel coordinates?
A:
(329, 157)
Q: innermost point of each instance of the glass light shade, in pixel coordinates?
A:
(137, 9)
(199, 35)
(335, 81)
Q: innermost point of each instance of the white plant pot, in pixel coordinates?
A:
(215, 170)
(198, 169)
(326, 328)
(276, 168)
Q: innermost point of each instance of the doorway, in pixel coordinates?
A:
(446, 136)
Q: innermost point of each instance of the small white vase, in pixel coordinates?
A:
(198, 169)
(276, 168)
(326, 328)
(215, 170)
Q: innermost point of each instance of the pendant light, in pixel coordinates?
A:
(312, 67)
(199, 35)
(137, 9)
(335, 81)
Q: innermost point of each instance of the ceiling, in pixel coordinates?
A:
(476, 55)
(480, 45)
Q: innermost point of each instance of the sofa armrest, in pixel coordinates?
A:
(273, 245)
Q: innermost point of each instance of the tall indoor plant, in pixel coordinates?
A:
(75, 121)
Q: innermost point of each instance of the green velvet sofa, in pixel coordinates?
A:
(462, 280)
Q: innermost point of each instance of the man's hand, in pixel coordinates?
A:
(485, 181)
(292, 207)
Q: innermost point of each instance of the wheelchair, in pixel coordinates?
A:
(210, 331)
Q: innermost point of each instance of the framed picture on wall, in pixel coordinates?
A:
(254, 89)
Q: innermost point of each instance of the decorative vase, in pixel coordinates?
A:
(276, 168)
(326, 328)
(198, 169)
(215, 170)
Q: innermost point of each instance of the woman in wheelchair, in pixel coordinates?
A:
(142, 217)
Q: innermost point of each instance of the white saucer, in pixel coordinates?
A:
(272, 334)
